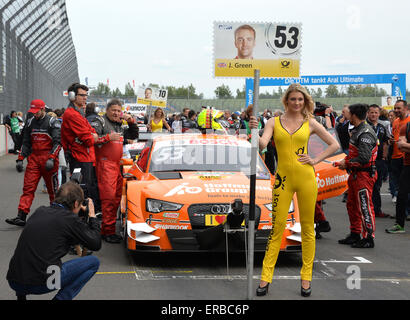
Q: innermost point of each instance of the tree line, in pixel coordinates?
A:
(224, 92)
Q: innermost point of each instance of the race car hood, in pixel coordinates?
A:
(206, 187)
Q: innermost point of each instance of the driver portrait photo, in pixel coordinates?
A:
(245, 36)
(148, 93)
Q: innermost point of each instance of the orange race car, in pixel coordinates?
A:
(182, 192)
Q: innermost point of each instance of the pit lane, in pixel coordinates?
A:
(384, 270)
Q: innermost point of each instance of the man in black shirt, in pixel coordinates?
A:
(382, 150)
(342, 128)
(36, 266)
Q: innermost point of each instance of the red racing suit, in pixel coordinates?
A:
(360, 163)
(41, 141)
(108, 155)
(76, 135)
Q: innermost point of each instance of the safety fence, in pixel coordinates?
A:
(37, 54)
(6, 142)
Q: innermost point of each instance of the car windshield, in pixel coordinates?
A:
(316, 145)
(197, 154)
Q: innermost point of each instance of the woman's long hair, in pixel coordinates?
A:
(162, 113)
(309, 104)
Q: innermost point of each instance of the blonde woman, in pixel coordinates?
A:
(158, 122)
(295, 173)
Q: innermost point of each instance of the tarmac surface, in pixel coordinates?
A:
(340, 272)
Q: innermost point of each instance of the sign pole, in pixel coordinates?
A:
(149, 111)
(252, 195)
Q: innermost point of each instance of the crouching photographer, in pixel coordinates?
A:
(36, 266)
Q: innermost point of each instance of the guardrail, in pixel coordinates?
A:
(6, 142)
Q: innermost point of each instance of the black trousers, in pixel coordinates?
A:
(402, 196)
(89, 181)
(18, 141)
(381, 168)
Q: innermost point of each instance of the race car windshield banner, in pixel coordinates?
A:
(152, 96)
(273, 48)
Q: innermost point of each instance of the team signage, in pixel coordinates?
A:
(241, 47)
(135, 109)
(152, 96)
(389, 102)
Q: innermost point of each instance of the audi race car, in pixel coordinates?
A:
(186, 192)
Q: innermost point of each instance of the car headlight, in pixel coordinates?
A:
(291, 207)
(156, 206)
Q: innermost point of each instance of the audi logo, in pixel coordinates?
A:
(221, 208)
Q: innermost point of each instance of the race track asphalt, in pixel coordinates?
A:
(384, 271)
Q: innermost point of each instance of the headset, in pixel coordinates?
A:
(72, 91)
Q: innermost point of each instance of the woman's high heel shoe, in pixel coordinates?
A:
(306, 292)
(262, 291)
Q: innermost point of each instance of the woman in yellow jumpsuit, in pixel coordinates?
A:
(158, 122)
(295, 173)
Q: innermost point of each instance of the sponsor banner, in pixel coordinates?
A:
(241, 47)
(135, 109)
(202, 142)
(152, 96)
(331, 185)
(212, 188)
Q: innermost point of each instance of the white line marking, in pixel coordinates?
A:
(359, 260)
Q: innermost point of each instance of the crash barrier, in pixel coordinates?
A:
(6, 142)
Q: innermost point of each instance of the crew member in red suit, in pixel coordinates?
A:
(78, 138)
(109, 150)
(361, 165)
(41, 146)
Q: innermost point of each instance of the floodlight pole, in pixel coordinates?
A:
(252, 195)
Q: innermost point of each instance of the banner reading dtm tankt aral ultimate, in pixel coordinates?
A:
(241, 47)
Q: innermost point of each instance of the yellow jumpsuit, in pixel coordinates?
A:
(292, 176)
(156, 127)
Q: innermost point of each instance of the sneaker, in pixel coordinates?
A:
(350, 239)
(382, 215)
(396, 229)
(394, 199)
(364, 243)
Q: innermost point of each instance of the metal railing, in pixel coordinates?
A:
(37, 54)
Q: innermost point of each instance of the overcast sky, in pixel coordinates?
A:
(171, 42)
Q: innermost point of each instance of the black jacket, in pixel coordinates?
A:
(45, 239)
(103, 126)
(42, 136)
(342, 130)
